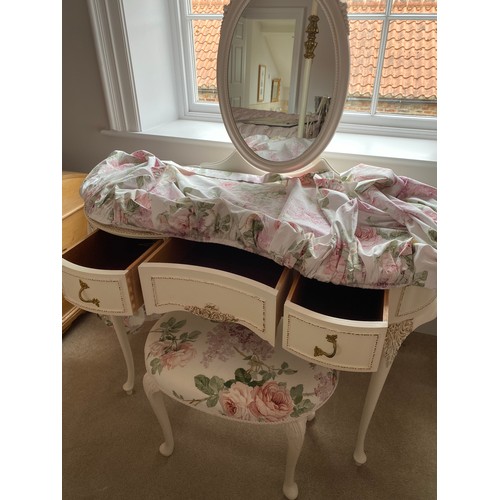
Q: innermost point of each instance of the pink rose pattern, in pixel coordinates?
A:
(254, 395)
(172, 350)
(366, 227)
(236, 401)
(271, 402)
(258, 392)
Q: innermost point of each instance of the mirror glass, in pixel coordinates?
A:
(283, 69)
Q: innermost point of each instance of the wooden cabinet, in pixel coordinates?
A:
(74, 229)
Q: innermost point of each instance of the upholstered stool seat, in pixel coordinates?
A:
(226, 370)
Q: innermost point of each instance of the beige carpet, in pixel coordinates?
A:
(111, 440)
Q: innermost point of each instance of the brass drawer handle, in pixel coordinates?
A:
(84, 286)
(319, 352)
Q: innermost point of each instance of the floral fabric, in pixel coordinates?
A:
(227, 370)
(366, 227)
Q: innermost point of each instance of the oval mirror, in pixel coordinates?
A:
(283, 74)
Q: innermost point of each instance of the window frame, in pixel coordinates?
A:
(193, 108)
(387, 124)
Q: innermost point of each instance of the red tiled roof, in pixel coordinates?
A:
(208, 6)
(410, 65)
(398, 6)
(411, 61)
(206, 40)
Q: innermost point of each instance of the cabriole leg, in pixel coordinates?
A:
(155, 398)
(295, 432)
(121, 334)
(375, 387)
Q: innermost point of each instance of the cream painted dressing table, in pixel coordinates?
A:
(346, 328)
(227, 284)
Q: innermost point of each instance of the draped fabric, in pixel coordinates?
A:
(366, 227)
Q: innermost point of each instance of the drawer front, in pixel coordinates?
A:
(355, 345)
(212, 294)
(99, 292)
(100, 273)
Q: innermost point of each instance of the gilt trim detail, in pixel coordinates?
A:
(211, 312)
(396, 334)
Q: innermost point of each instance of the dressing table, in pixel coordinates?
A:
(115, 271)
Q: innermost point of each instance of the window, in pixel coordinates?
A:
(206, 18)
(393, 78)
(393, 60)
(200, 23)
(393, 63)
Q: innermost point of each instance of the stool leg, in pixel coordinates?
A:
(295, 432)
(155, 398)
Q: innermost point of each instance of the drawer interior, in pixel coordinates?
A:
(102, 250)
(220, 257)
(359, 304)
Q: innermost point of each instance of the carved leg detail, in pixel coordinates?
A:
(295, 432)
(155, 398)
(121, 334)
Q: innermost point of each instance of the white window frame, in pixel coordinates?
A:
(113, 49)
(386, 124)
(193, 108)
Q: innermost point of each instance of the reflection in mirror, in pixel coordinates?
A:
(269, 78)
(279, 75)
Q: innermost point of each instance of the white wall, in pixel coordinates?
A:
(149, 35)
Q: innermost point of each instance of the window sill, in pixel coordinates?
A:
(363, 148)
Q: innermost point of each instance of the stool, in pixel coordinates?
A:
(226, 370)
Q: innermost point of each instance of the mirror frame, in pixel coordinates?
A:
(335, 12)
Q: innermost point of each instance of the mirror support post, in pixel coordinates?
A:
(310, 45)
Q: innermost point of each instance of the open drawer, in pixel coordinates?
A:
(336, 326)
(217, 282)
(100, 273)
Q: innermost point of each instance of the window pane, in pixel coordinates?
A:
(206, 43)
(208, 6)
(364, 40)
(409, 76)
(365, 6)
(414, 6)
